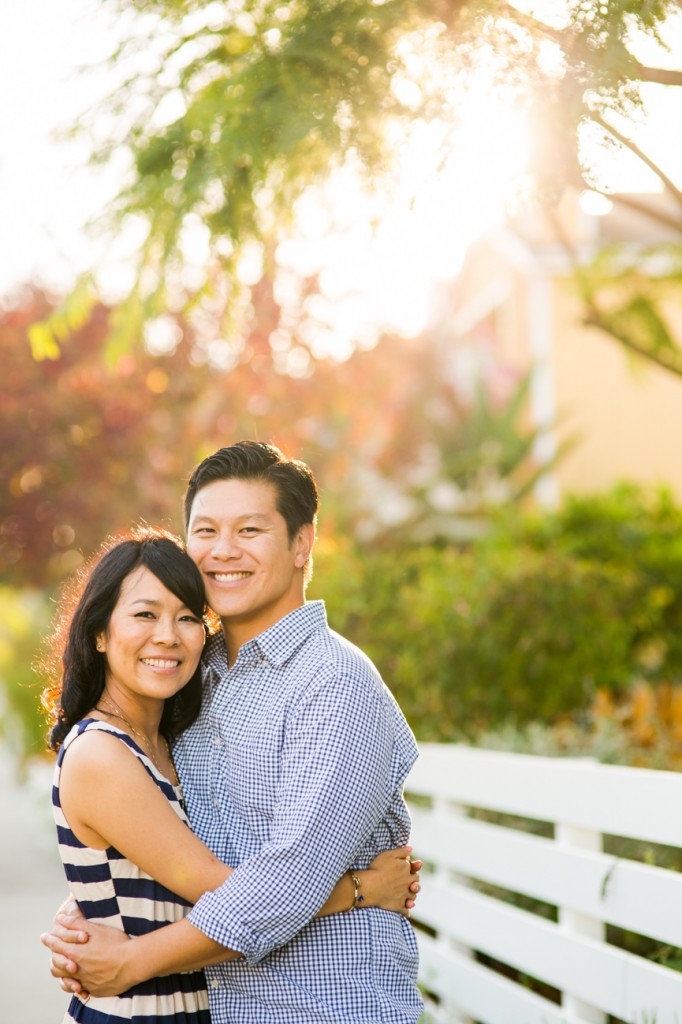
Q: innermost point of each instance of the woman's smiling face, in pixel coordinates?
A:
(153, 642)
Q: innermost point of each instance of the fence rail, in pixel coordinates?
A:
(537, 905)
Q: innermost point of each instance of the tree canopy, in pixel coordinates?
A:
(230, 110)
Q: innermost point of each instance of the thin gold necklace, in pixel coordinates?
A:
(146, 742)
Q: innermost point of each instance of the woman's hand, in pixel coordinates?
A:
(391, 881)
(97, 966)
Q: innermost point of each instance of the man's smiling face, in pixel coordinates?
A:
(252, 571)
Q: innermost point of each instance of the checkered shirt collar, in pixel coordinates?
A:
(278, 643)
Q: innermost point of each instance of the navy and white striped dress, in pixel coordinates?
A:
(112, 890)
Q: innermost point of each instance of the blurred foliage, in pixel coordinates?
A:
(463, 460)
(80, 444)
(89, 447)
(24, 618)
(524, 621)
(634, 532)
(526, 624)
(230, 110)
(641, 727)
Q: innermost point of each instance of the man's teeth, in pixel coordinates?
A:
(228, 577)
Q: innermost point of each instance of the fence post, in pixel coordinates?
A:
(446, 809)
(580, 924)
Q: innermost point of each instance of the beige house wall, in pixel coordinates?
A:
(516, 306)
(626, 415)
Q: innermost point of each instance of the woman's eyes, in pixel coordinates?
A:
(183, 618)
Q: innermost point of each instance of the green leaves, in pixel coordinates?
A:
(46, 336)
(633, 295)
(243, 104)
(525, 624)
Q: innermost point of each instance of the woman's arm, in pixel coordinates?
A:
(391, 882)
(109, 800)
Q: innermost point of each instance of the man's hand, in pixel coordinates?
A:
(88, 958)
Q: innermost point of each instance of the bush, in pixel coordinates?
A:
(526, 624)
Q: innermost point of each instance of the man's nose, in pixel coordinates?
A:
(225, 545)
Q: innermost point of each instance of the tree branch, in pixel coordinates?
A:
(634, 148)
(641, 72)
(632, 203)
(662, 76)
(596, 317)
(533, 24)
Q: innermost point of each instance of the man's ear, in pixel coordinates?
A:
(303, 544)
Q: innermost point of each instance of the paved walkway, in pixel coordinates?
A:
(32, 885)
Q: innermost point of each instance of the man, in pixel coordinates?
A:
(293, 773)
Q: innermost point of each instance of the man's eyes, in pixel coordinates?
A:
(209, 530)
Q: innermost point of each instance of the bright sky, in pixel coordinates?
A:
(382, 279)
(46, 195)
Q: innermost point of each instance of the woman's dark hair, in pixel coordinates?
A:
(76, 667)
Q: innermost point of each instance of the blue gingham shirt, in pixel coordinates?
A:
(293, 774)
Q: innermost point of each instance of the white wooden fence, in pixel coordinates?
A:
(583, 801)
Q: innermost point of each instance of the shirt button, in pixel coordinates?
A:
(218, 742)
(216, 803)
(215, 983)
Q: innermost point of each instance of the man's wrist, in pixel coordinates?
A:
(131, 964)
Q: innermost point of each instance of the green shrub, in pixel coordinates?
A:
(632, 530)
(525, 624)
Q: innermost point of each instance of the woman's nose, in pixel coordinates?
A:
(166, 631)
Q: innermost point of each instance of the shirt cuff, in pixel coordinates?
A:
(211, 916)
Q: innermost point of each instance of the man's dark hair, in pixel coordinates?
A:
(297, 498)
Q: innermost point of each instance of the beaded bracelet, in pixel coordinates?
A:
(357, 898)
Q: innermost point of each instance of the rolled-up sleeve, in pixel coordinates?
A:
(333, 790)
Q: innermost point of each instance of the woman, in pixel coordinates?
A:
(130, 682)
